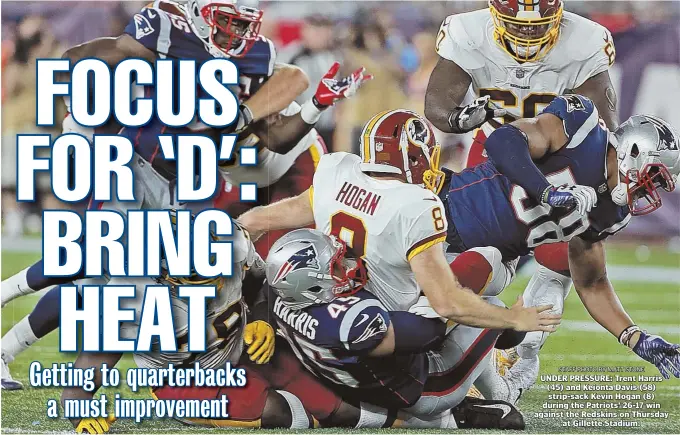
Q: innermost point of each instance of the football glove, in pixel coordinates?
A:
(97, 425)
(331, 90)
(582, 197)
(259, 336)
(664, 355)
(474, 115)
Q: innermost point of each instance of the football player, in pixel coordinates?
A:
(384, 206)
(563, 177)
(169, 30)
(347, 338)
(517, 55)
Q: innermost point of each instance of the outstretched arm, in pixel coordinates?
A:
(295, 212)
(588, 270)
(449, 299)
(282, 88)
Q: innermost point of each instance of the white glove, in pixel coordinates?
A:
(475, 114)
(583, 197)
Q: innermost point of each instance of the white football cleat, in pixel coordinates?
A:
(520, 377)
(8, 383)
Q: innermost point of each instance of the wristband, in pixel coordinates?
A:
(452, 120)
(310, 113)
(627, 334)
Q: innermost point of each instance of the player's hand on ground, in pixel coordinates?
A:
(664, 355)
(97, 425)
(582, 197)
(475, 114)
(534, 318)
(260, 338)
(331, 90)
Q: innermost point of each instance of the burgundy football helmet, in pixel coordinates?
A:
(526, 29)
(402, 143)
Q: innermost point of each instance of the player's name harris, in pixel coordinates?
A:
(599, 378)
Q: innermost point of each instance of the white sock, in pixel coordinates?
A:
(17, 340)
(300, 418)
(545, 287)
(444, 420)
(371, 416)
(492, 385)
(15, 286)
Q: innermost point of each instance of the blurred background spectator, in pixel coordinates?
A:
(393, 40)
(314, 52)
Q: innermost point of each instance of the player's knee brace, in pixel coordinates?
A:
(284, 410)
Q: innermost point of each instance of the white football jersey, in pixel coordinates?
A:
(385, 222)
(225, 315)
(583, 49)
(271, 166)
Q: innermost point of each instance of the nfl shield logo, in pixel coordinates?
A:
(519, 73)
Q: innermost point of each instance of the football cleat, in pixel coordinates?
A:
(8, 383)
(473, 413)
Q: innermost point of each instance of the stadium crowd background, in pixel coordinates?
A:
(393, 40)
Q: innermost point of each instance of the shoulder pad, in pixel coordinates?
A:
(583, 38)
(331, 160)
(463, 37)
(259, 60)
(364, 325)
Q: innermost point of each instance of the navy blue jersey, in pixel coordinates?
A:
(333, 342)
(163, 29)
(485, 209)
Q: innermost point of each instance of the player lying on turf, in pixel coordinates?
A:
(347, 338)
(279, 394)
(562, 176)
(385, 209)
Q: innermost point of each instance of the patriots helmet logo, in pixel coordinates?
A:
(667, 140)
(142, 26)
(305, 258)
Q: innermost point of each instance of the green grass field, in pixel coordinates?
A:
(655, 306)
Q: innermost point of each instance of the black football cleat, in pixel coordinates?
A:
(473, 413)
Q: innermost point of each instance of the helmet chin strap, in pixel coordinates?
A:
(619, 193)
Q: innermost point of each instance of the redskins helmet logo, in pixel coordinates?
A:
(417, 132)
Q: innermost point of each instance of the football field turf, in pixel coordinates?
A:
(653, 304)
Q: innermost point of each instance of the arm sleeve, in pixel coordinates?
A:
(508, 149)
(424, 225)
(415, 334)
